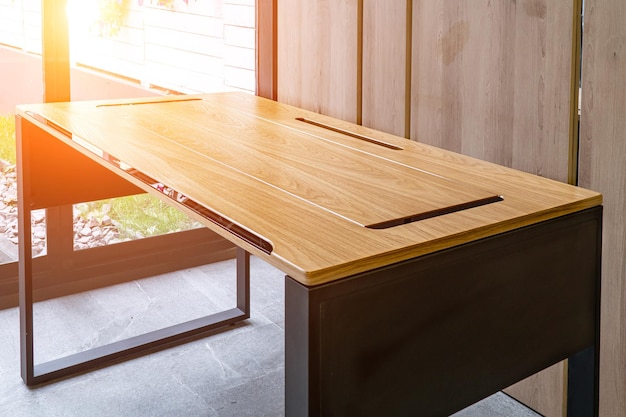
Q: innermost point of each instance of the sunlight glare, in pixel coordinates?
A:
(82, 13)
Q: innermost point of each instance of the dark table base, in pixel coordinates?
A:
(435, 334)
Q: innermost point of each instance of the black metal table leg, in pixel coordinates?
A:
(583, 384)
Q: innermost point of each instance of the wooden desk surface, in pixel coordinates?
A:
(330, 198)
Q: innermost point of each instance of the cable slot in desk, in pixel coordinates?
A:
(436, 213)
(226, 224)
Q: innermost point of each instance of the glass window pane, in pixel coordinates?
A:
(21, 82)
(134, 48)
(120, 49)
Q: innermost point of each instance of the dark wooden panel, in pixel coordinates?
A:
(436, 333)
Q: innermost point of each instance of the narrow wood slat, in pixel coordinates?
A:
(385, 85)
(318, 63)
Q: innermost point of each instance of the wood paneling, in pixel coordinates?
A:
(385, 60)
(427, 74)
(266, 49)
(318, 59)
(469, 45)
(492, 80)
(603, 168)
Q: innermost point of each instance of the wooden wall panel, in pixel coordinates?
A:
(318, 59)
(468, 45)
(492, 80)
(385, 60)
(429, 94)
(544, 106)
(603, 168)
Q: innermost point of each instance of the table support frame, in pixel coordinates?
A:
(435, 334)
(34, 374)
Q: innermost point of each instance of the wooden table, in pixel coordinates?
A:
(417, 278)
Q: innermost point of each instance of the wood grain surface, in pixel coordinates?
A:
(492, 80)
(318, 63)
(308, 190)
(385, 87)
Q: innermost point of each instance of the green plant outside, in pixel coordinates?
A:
(113, 13)
(135, 216)
(138, 216)
(7, 138)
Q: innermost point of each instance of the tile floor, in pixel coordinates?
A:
(235, 373)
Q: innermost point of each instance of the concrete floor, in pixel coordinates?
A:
(235, 373)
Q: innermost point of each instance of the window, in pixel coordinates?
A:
(148, 47)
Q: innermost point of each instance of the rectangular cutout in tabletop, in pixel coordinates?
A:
(288, 164)
(180, 199)
(348, 133)
(434, 213)
(358, 186)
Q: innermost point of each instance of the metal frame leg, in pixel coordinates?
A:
(32, 194)
(583, 368)
(33, 374)
(342, 357)
(583, 384)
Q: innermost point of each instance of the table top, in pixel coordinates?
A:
(317, 197)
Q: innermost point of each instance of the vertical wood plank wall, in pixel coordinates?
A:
(603, 168)
(385, 55)
(493, 80)
(318, 56)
